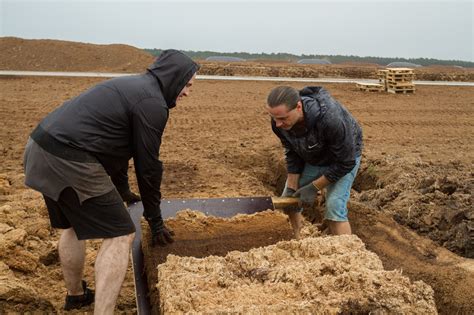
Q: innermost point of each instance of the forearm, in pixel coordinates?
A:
(321, 182)
(292, 181)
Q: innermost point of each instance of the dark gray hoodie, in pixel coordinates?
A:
(330, 137)
(123, 118)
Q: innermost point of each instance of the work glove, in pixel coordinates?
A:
(288, 192)
(160, 235)
(307, 194)
(129, 197)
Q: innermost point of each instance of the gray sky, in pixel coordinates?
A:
(388, 28)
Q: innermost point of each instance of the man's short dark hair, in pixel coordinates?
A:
(283, 95)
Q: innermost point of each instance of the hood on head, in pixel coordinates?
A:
(314, 99)
(173, 69)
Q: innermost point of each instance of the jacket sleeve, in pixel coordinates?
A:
(120, 179)
(341, 147)
(149, 121)
(294, 163)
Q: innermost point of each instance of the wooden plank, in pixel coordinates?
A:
(411, 91)
(400, 76)
(401, 84)
(399, 80)
(400, 70)
(400, 88)
(369, 87)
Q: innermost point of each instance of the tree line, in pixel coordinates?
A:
(383, 61)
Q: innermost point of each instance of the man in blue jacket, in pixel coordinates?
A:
(323, 144)
(79, 153)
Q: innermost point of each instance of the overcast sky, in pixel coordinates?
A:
(387, 28)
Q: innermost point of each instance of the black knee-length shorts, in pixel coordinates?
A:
(103, 216)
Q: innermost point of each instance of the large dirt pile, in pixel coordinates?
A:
(291, 70)
(314, 275)
(431, 197)
(57, 55)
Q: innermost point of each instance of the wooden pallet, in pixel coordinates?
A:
(400, 71)
(401, 91)
(400, 84)
(382, 73)
(399, 77)
(396, 89)
(370, 87)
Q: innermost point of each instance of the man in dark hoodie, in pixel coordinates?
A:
(323, 144)
(77, 153)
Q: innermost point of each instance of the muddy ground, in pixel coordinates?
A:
(412, 200)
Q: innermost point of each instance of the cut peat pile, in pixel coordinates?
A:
(313, 275)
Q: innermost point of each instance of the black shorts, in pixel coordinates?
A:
(104, 216)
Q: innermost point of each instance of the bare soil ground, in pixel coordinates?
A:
(219, 143)
(412, 203)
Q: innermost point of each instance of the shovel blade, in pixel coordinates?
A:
(218, 207)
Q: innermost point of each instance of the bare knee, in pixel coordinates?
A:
(130, 238)
(123, 239)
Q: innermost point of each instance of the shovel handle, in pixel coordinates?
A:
(283, 202)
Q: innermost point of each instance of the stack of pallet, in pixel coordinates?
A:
(400, 80)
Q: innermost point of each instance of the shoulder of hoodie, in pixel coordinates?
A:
(139, 88)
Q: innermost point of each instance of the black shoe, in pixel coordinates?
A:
(78, 301)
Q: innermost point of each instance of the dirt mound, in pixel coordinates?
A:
(348, 70)
(57, 55)
(287, 70)
(433, 198)
(313, 275)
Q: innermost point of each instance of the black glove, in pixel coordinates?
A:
(160, 235)
(288, 192)
(307, 194)
(129, 197)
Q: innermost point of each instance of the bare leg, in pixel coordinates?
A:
(72, 255)
(110, 269)
(339, 228)
(296, 220)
